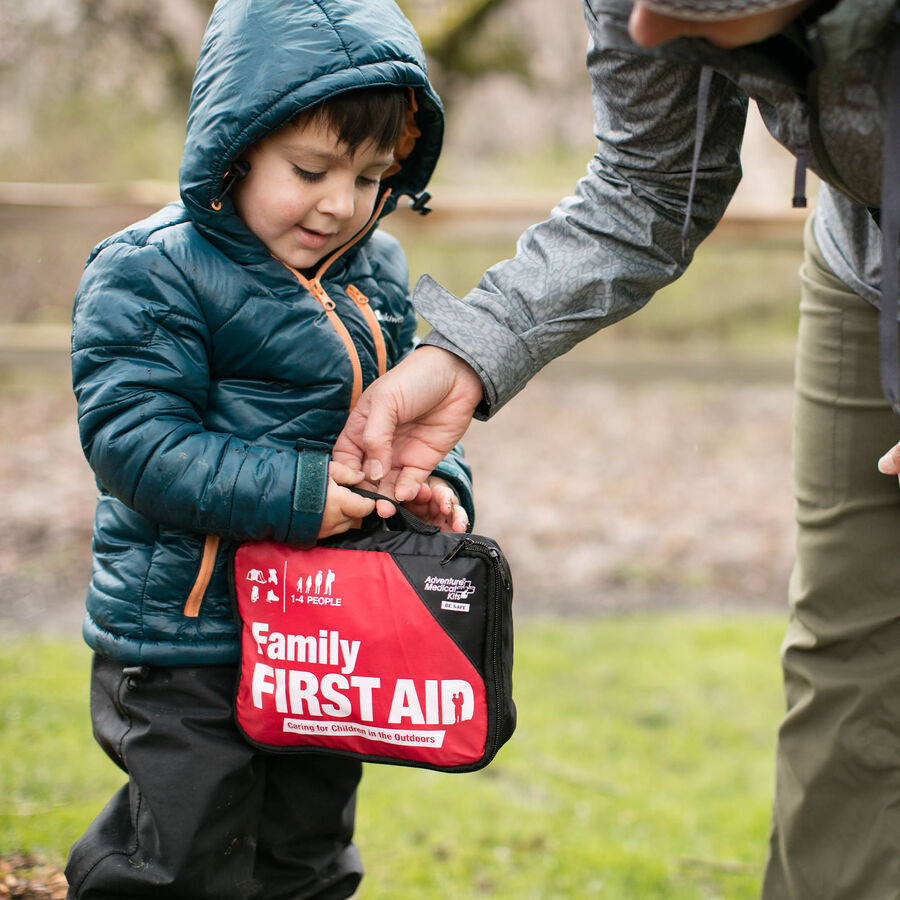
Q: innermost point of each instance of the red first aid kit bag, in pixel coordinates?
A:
(390, 645)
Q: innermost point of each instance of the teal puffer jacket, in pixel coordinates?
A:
(211, 379)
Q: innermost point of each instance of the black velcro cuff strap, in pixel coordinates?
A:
(308, 502)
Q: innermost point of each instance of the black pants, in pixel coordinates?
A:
(204, 814)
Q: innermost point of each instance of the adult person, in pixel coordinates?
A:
(671, 82)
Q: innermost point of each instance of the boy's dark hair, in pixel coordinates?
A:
(367, 114)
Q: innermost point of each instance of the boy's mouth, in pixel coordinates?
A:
(313, 239)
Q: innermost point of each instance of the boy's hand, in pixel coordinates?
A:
(343, 508)
(438, 504)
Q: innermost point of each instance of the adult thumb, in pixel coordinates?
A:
(889, 464)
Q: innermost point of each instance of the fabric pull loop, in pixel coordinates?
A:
(412, 522)
(236, 173)
(207, 564)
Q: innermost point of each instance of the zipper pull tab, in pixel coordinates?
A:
(315, 287)
(356, 295)
(495, 555)
(454, 550)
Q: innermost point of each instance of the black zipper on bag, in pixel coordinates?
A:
(497, 567)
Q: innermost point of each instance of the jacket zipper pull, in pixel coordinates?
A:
(356, 295)
(454, 550)
(316, 289)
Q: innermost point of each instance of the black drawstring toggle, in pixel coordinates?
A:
(237, 171)
(418, 203)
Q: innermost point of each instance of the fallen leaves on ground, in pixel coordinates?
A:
(24, 878)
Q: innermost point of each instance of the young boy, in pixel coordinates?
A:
(218, 347)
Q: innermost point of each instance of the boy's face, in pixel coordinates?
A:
(305, 195)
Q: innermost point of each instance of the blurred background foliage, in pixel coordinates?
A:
(97, 90)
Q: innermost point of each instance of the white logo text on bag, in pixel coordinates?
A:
(454, 588)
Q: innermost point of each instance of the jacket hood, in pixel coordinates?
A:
(263, 61)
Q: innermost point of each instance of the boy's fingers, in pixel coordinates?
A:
(355, 507)
(445, 498)
(339, 528)
(348, 460)
(344, 474)
(460, 519)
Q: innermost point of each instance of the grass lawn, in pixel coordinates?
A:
(641, 768)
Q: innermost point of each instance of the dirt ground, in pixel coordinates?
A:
(633, 482)
(25, 878)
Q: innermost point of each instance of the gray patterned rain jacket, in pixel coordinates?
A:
(820, 87)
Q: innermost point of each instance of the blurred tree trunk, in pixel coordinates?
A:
(93, 88)
(450, 30)
(171, 29)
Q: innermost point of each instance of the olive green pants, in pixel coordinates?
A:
(836, 819)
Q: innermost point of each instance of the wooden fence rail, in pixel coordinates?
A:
(451, 203)
(47, 230)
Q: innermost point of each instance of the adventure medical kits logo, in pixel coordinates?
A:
(456, 590)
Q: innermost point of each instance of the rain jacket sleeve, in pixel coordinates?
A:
(604, 251)
(140, 351)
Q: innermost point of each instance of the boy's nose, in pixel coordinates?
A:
(339, 200)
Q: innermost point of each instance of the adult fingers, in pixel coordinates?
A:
(889, 464)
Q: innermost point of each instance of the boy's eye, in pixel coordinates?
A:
(368, 182)
(307, 175)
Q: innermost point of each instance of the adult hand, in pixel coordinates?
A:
(889, 464)
(407, 421)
